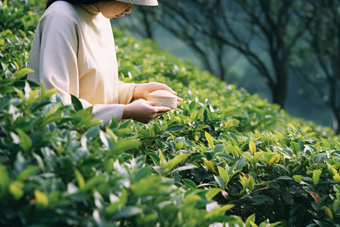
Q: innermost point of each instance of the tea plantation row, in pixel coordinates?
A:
(223, 156)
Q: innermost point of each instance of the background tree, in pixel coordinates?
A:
(318, 62)
(264, 32)
(267, 33)
(212, 53)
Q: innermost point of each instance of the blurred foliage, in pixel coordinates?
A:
(223, 156)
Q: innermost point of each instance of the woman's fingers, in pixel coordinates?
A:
(167, 88)
(163, 109)
(151, 103)
(160, 110)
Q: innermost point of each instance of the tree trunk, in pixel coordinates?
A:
(281, 85)
(279, 94)
(147, 24)
(336, 121)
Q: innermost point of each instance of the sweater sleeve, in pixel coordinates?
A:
(56, 64)
(125, 91)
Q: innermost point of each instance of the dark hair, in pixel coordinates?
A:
(49, 2)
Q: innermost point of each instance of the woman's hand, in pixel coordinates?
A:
(142, 90)
(143, 111)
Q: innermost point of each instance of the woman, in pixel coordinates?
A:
(74, 51)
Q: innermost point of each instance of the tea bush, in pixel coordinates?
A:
(265, 162)
(223, 156)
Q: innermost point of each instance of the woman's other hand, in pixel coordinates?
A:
(143, 111)
(142, 90)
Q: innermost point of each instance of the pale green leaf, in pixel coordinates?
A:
(41, 200)
(209, 165)
(210, 140)
(80, 179)
(223, 174)
(316, 176)
(212, 192)
(16, 189)
(328, 212)
(252, 147)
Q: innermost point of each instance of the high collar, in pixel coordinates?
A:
(91, 9)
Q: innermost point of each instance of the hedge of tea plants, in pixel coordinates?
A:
(223, 156)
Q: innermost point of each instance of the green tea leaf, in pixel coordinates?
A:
(328, 212)
(142, 173)
(336, 205)
(27, 172)
(76, 103)
(16, 189)
(252, 147)
(192, 105)
(320, 158)
(189, 183)
(258, 156)
(112, 208)
(230, 123)
(25, 140)
(201, 127)
(125, 145)
(183, 168)
(274, 159)
(233, 137)
(240, 163)
(154, 158)
(41, 200)
(212, 192)
(80, 179)
(209, 165)
(325, 143)
(179, 145)
(284, 178)
(219, 148)
(316, 176)
(175, 128)
(127, 212)
(296, 147)
(173, 162)
(251, 218)
(249, 157)
(224, 174)
(22, 72)
(209, 139)
(297, 178)
(94, 181)
(4, 179)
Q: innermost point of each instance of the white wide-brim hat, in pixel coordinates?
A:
(141, 2)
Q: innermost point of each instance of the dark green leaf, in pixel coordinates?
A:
(154, 157)
(127, 212)
(183, 168)
(260, 199)
(142, 173)
(320, 158)
(175, 128)
(189, 183)
(76, 103)
(240, 163)
(284, 178)
(93, 182)
(226, 156)
(219, 148)
(27, 172)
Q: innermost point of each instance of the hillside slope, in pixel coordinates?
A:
(223, 156)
